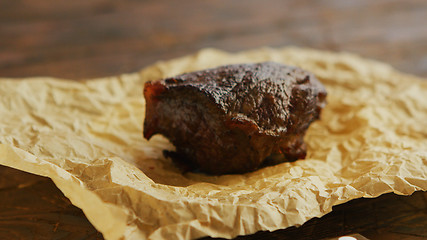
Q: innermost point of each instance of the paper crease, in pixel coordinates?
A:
(87, 137)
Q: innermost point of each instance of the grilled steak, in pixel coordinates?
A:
(234, 118)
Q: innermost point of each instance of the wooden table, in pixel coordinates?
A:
(85, 39)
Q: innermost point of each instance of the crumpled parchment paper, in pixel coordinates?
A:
(87, 137)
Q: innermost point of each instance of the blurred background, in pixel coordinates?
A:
(82, 39)
(85, 39)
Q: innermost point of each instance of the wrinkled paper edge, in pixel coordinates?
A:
(112, 216)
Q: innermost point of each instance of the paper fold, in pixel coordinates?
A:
(87, 137)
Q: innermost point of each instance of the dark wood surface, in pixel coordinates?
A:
(84, 39)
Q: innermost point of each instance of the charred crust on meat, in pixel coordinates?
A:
(235, 118)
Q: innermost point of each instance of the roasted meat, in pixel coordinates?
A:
(234, 118)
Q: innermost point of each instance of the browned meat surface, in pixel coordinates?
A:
(230, 119)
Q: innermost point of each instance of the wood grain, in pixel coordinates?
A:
(85, 39)
(31, 207)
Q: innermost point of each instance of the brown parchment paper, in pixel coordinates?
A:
(87, 137)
